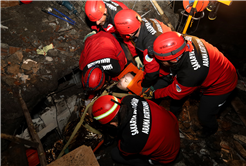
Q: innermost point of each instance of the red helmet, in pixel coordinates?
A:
(104, 108)
(169, 46)
(201, 5)
(94, 10)
(26, 1)
(94, 78)
(127, 21)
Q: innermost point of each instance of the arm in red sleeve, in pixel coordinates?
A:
(174, 90)
(95, 28)
(131, 47)
(151, 70)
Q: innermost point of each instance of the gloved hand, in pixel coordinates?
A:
(138, 62)
(88, 35)
(148, 93)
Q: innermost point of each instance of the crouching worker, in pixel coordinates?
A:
(195, 65)
(148, 134)
(102, 59)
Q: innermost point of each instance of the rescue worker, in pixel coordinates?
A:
(195, 64)
(102, 13)
(148, 134)
(101, 59)
(143, 32)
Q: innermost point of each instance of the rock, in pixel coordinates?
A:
(9, 80)
(52, 52)
(29, 64)
(73, 43)
(48, 58)
(13, 69)
(51, 18)
(23, 77)
(45, 20)
(4, 45)
(65, 45)
(3, 63)
(73, 32)
(15, 58)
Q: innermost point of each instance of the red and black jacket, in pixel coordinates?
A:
(204, 68)
(113, 7)
(149, 130)
(150, 30)
(104, 50)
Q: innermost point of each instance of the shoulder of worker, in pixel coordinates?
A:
(114, 6)
(152, 26)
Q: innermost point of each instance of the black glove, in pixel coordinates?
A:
(148, 93)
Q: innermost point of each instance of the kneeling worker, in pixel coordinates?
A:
(101, 57)
(148, 134)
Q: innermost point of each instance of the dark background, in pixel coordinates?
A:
(227, 32)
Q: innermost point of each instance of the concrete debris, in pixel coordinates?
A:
(29, 64)
(47, 58)
(23, 77)
(15, 58)
(9, 80)
(52, 116)
(13, 69)
(3, 63)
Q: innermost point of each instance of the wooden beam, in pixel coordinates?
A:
(19, 140)
(32, 131)
(163, 15)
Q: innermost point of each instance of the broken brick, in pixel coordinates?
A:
(12, 50)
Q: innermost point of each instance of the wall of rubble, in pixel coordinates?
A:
(38, 49)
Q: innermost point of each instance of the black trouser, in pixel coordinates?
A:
(208, 110)
(137, 160)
